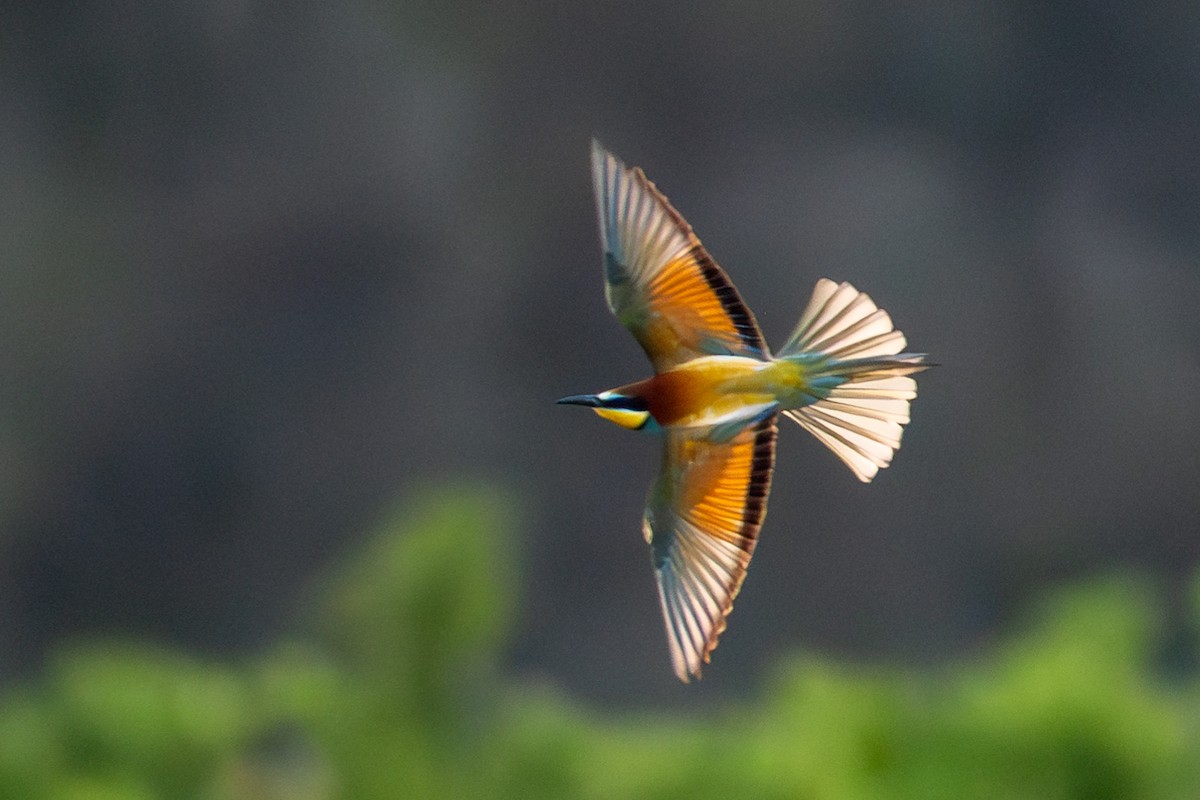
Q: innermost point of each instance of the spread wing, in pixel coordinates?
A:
(659, 280)
(702, 521)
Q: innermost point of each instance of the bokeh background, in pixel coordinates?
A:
(267, 270)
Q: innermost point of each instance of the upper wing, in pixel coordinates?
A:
(660, 281)
(702, 521)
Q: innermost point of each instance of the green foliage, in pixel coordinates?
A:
(397, 692)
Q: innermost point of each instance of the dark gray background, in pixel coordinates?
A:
(266, 268)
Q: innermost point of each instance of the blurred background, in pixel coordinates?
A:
(268, 270)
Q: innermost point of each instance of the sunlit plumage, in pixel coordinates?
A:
(717, 392)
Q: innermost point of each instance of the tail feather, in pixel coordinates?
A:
(864, 455)
(858, 377)
(875, 368)
(842, 322)
(904, 389)
(881, 344)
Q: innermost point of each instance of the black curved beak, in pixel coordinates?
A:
(589, 400)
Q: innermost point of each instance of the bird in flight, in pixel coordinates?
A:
(717, 393)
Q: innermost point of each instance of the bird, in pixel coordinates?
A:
(716, 395)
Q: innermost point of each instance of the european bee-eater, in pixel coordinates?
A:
(717, 392)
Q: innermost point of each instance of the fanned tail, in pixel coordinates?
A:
(858, 380)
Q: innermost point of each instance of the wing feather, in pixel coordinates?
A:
(659, 280)
(702, 520)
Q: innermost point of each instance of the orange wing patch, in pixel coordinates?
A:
(713, 498)
(703, 521)
(687, 311)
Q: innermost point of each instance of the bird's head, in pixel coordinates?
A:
(628, 411)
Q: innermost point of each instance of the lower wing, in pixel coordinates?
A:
(702, 521)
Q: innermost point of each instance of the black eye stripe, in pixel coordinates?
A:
(627, 403)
